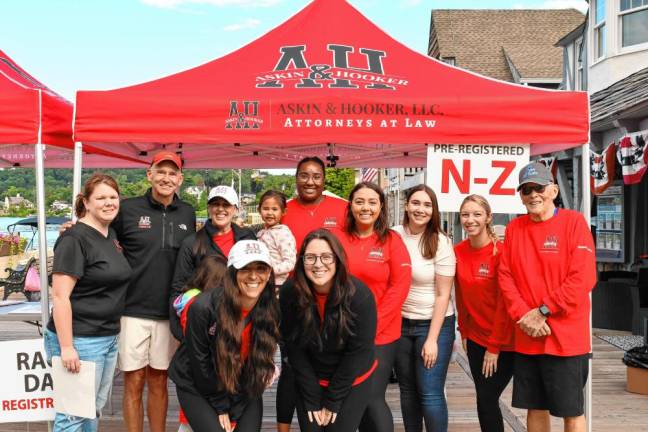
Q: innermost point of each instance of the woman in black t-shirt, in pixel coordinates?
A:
(90, 276)
(225, 361)
(328, 328)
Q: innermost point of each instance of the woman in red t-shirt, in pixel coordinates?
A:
(378, 257)
(485, 327)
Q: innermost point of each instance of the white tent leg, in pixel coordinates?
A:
(42, 233)
(586, 209)
(76, 174)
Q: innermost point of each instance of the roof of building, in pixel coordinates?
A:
(613, 102)
(481, 40)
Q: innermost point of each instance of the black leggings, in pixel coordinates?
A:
(378, 417)
(286, 393)
(350, 413)
(203, 418)
(490, 389)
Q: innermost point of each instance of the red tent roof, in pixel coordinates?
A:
(27, 108)
(327, 75)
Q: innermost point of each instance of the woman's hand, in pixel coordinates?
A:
(225, 422)
(429, 352)
(322, 417)
(70, 359)
(489, 366)
(464, 344)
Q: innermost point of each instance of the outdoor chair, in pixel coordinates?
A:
(15, 281)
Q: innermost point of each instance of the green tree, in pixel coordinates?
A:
(340, 181)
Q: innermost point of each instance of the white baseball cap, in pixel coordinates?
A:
(225, 192)
(245, 252)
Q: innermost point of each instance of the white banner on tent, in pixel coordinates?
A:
(26, 393)
(458, 170)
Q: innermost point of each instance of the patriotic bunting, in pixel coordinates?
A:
(369, 174)
(602, 169)
(633, 156)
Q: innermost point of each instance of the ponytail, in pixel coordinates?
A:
(79, 207)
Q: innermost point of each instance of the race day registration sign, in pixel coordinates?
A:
(458, 170)
(26, 393)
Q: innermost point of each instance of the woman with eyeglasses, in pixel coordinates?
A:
(308, 211)
(216, 237)
(225, 361)
(378, 257)
(428, 319)
(328, 327)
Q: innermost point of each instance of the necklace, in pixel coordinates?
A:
(313, 210)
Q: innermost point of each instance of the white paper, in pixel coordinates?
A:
(74, 393)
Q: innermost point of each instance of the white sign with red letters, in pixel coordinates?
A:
(26, 391)
(458, 170)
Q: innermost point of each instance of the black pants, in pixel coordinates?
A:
(286, 392)
(203, 418)
(350, 413)
(490, 389)
(378, 417)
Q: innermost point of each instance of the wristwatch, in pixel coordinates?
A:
(544, 310)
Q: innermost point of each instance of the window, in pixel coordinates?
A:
(449, 60)
(599, 29)
(634, 22)
(578, 59)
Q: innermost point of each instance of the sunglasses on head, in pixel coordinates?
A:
(527, 189)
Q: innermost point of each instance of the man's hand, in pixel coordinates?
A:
(534, 324)
(65, 226)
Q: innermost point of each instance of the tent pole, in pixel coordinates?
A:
(76, 176)
(42, 227)
(586, 209)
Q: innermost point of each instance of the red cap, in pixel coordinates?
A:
(167, 156)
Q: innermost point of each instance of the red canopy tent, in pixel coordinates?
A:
(328, 75)
(31, 113)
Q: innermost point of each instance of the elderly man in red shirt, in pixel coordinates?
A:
(547, 271)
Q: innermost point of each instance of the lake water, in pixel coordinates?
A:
(25, 231)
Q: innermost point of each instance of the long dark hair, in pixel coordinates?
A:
(381, 226)
(430, 239)
(208, 275)
(341, 319)
(252, 376)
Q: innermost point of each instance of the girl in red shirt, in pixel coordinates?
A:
(485, 326)
(378, 257)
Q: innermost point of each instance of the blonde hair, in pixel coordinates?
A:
(483, 203)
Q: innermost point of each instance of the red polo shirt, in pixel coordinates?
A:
(328, 213)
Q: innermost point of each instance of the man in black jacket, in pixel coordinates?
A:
(151, 229)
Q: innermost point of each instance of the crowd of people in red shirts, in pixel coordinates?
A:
(346, 298)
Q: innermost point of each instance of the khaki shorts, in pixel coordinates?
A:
(145, 342)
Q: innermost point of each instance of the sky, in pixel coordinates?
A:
(104, 44)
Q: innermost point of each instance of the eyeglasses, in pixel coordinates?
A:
(303, 177)
(527, 189)
(311, 259)
(262, 270)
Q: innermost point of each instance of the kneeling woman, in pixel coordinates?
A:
(225, 361)
(328, 326)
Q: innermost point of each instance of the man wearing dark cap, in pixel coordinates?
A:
(546, 273)
(150, 229)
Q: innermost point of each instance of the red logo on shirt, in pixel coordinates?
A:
(330, 222)
(484, 270)
(118, 246)
(376, 254)
(144, 222)
(550, 244)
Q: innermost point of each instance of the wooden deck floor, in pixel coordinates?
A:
(614, 409)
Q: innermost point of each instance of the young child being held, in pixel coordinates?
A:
(275, 235)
